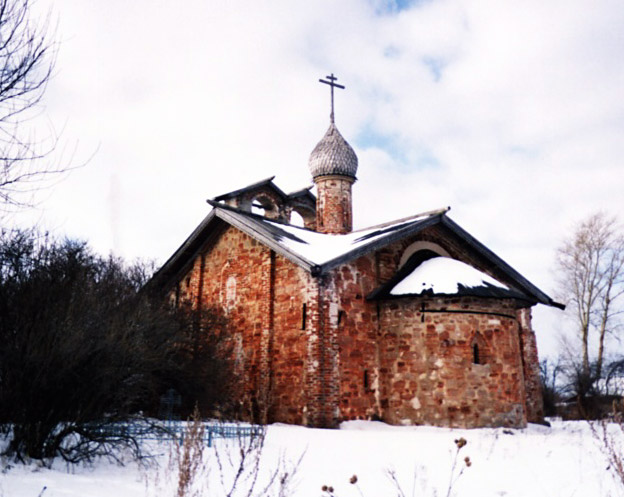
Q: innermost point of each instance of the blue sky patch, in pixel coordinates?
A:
(405, 158)
(370, 138)
(395, 6)
(525, 152)
(435, 65)
(392, 52)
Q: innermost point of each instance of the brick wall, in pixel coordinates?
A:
(334, 204)
(503, 390)
(295, 346)
(344, 357)
(263, 294)
(460, 367)
(353, 322)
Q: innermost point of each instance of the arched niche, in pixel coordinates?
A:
(422, 245)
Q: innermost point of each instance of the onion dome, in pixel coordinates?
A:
(333, 156)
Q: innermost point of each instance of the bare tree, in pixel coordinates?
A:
(591, 282)
(27, 58)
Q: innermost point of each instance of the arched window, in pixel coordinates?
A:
(263, 205)
(479, 350)
(296, 219)
(475, 354)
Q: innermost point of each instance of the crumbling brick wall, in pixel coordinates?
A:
(530, 361)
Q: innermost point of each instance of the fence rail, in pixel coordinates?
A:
(177, 430)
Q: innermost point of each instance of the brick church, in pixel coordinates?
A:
(413, 321)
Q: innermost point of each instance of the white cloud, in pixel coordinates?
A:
(509, 112)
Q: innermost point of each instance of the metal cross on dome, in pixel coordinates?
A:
(332, 83)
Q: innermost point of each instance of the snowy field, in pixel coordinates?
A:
(565, 460)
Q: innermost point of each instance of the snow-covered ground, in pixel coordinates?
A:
(565, 460)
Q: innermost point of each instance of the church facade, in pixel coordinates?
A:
(409, 322)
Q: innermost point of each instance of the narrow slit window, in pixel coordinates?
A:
(303, 317)
(340, 317)
(366, 385)
(475, 354)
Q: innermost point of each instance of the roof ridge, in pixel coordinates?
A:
(441, 210)
(301, 191)
(260, 217)
(265, 181)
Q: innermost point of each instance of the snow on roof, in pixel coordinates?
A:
(443, 275)
(319, 253)
(319, 248)
(314, 251)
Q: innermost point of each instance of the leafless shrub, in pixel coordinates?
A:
(85, 354)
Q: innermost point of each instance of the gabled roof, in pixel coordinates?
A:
(268, 182)
(498, 263)
(304, 192)
(439, 275)
(318, 253)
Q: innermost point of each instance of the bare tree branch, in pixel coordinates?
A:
(591, 282)
(27, 58)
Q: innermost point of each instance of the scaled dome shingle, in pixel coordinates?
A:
(333, 156)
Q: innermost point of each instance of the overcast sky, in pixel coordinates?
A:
(509, 112)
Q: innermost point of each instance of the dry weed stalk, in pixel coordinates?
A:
(455, 473)
(397, 486)
(243, 459)
(460, 443)
(237, 461)
(189, 458)
(239, 465)
(610, 435)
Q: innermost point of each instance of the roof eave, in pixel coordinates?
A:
(182, 257)
(526, 285)
(251, 230)
(390, 296)
(187, 250)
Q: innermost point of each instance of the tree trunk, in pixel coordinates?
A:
(585, 345)
(601, 338)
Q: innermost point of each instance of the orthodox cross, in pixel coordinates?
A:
(332, 83)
